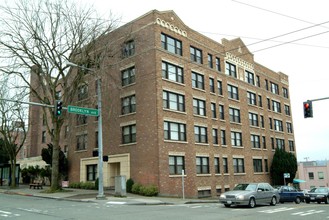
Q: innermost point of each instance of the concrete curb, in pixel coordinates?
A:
(123, 201)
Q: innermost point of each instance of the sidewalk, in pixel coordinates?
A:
(82, 195)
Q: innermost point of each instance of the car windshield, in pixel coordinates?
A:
(248, 187)
(319, 190)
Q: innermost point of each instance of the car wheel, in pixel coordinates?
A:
(273, 201)
(327, 200)
(319, 202)
(252, 203)
(307, 201)
(227, 205)
(297, 200)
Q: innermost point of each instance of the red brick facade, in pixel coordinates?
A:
(148, 156)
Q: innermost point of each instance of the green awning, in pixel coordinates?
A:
(298, 181)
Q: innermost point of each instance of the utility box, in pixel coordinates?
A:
(120, 186)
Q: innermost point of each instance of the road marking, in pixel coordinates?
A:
(309, 212)
(270, 211)
(116, 203)
(7, 214)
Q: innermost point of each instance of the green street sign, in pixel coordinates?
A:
(82, 111)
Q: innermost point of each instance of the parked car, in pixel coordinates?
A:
(290, 194)
(319, 194)
(250, 194)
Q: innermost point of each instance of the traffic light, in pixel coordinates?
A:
(308, 110)
(58, 107)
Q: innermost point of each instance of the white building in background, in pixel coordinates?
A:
(315, 174)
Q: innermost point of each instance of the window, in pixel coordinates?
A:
(199, 107)
(91, 172)
(291, 145)
(230, 69)
(285, 92)
(43, 138)
(217, 64)
(200, 134)
(276, 106)
(210, 64)
(253, 119)
(262, 121)
(268, 104)
(251, 98)
(213, 110)
(172, 72)
(221, 112)
(81, 119)
(204, 193)
(82, 92)
(96, 139)
(129, 134)
(212, 85)
(196, 55)
(216, 165)
(266, 165)
(250, 78)
(279, 143)
(258, 81)
(128, 76)
(238, 165)
(321, 175)
(278, 125)
(58, 95)
(274, 88)
(128, 49)
(236, 138)
(215, 136)
(233, 92)
(289, 127)
(225, 165)
(82, 142)
(197, 81)
(128, 104)
(270, 121)
(202, 165)
(260, 101)
(311, 175)
(264, 142)
(173, 101)
(234, 115)
(220, 87)
(272, 143)
(171, 44)
(176, 165)
(98, 83)
(174, 131)
(223, 137)
(258, 167)
(255, 141)
(287, 109)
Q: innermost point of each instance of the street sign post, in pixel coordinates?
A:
(82, 111)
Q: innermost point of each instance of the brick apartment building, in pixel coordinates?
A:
(172, 100)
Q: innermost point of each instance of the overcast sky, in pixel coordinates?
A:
(305, 60)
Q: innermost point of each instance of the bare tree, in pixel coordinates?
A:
(12, 122)
(39, 37)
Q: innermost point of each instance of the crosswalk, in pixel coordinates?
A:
(298, 213)
(6, 214)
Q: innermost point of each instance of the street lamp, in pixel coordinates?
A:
(100, 134)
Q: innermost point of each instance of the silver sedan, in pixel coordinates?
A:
(250, 194)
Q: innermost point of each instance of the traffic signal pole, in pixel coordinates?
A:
(30, 103)
(308, 108)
